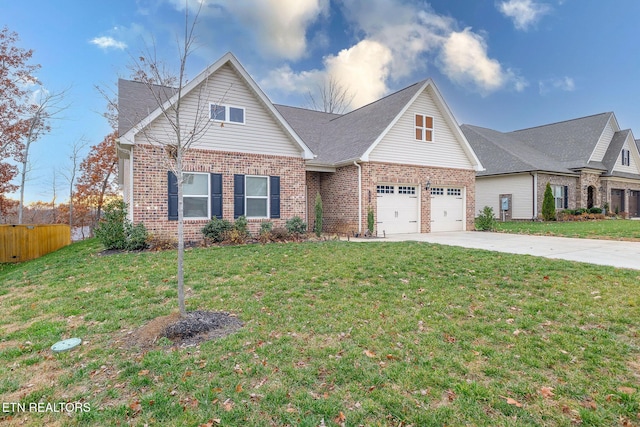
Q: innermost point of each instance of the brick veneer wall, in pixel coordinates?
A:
(570, 181)
(340, 195)
(150, 186)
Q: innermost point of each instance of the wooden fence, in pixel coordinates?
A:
(24, 242)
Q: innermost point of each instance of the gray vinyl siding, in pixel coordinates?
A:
(400, 146)
(488, 190)
(260, 134)
(604, 141)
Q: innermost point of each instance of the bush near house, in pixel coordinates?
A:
(116, 232)
(486, 221)
(548, 205)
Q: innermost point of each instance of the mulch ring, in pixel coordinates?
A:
(192, 329)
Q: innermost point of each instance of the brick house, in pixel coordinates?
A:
(588, 161)
(403, 156)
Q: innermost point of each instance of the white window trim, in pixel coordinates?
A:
(207, 196)
(268, 197)
(227, 113)
(425, 128)
(561, 198)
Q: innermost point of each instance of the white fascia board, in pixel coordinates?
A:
(453, 124)
(231, 59)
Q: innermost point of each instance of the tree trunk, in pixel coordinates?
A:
(181, 304)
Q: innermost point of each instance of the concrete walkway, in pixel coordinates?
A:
(603, 252)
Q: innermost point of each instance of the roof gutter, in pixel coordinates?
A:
(359, 196)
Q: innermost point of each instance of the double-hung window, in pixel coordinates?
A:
(424, 128)
(257, 196)
(560, 196)
(195, 190)
(226, 113)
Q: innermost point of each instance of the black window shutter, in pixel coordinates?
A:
(238, 195)
(216, 195)
(274, 201)
(172, 196)
(566, 197)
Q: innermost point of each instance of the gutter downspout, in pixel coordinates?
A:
(535, 194)
(359, 196)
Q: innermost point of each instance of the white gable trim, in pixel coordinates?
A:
(129, 137)
(616, 128)
(442, 105)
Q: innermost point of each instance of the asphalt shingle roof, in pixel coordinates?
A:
(338, 138)
(561, 147)
(502, 153)
(136, 101)
(570, 142)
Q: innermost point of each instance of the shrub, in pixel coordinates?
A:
(595, 210)
(296, 226)
(215, 229)
(280, 234)
(370, 220)
(115, 231)
(235, 236)
(241, 225)
(110, 229)
(162, 242)
(137, 235)
(486, 221)
(317, 227)
(266, 227)
(548, 205)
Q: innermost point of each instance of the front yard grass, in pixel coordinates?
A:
(335, 333)
(613, 229)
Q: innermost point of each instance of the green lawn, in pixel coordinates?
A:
(336, 333)
(602, 229)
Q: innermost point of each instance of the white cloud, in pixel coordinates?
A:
(524, 13)
(464, 60)
(279, 27)
(362, 70)
(396, 40)
(106, 43)
(565, 84)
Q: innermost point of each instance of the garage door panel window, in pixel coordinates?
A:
(454, 192)
(406, 190)
(437, 191)
(385, 189)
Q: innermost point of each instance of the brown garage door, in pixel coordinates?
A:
(617, 200)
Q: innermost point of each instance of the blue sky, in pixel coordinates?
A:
(501, 64)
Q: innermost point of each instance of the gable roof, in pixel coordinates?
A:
(571, 142)
(341, 139)
(128, 136)
(563, 147)
(501, 153)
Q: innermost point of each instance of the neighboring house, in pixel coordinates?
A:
(403, 156)
(588, 162)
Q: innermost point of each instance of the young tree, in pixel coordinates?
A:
(44, 108)
(16, 77)
(72, 172)
(186, 129)
(548, 204)
(331, 97)
(97, 176)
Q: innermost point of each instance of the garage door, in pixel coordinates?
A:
(397, 209)
(447, 209)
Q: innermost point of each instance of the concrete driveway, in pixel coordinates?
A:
(603, 252)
